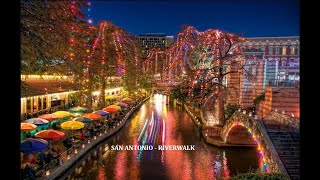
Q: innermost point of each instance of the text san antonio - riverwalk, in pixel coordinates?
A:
(151, 147)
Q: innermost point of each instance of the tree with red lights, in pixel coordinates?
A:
(44, 29)
(204, 60)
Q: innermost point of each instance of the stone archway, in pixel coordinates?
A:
(252, 133)
(239, 135)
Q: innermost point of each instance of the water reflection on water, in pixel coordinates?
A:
(158, 123)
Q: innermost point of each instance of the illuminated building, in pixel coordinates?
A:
(46, 93)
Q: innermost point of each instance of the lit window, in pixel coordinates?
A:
(284, 50)
(292, 50)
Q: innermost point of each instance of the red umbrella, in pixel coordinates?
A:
(50, 134)
(49, 117)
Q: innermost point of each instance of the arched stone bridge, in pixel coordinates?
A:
(241, 129)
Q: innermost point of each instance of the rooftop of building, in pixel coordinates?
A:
(273, 38)
(155, 35)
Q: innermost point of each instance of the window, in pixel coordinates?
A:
(292, 48)
(283, 62)
(277, 50)
(28, 105)
(39, 104)
(284, 50)
(270, 50)
(45, 103)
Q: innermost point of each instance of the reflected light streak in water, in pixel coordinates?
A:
(226, 170)
(101, 173)
(141, 132)
(120, 165)
(151, 128)
(163, 139)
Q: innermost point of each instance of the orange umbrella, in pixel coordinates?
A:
(92, 116)
(27, 127)
(50, 134)
(49, 117)
(110, 110)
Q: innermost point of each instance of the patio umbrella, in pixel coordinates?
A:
(27, 127)
(79, 109)
(101, 112)
(126, 101)
(33, 145)
(62, 114)
(37, 121)
(72, 125)
(50, 134)
(129, 99)
(83, 119)
(122, 106)
(122, 103)
(49, 117)
(114, 107)
(110, 110)
(92, 116)
(110, 97)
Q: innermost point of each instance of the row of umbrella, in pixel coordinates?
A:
(40, 144)
(32, 123)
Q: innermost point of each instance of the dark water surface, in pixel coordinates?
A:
(159, 124)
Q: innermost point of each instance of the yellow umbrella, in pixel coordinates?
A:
(62, 114)
(113, 107)
(72, 125)
(128, 99)
(110, 97)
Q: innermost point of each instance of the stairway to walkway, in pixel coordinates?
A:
(287, 145)
(211, 119)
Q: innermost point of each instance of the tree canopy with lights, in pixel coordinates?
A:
(204, 59)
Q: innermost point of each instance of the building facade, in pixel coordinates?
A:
(268, 61)
(49, 93)
(281, 59)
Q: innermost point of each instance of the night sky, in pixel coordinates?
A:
(267, 18)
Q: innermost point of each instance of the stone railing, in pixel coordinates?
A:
(76, 156)
(287, 120)
(259, 133)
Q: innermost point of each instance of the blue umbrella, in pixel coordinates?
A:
(37, 121)
(101, 113)
(83, 119)
(33, 145)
